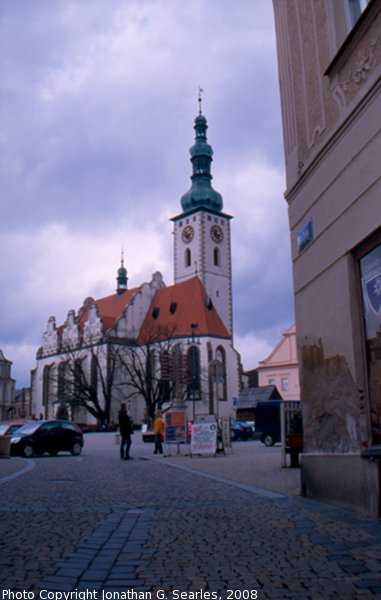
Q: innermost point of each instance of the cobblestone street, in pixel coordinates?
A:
(232, 522)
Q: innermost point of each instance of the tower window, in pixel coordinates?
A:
(187, 258)
(217, 257)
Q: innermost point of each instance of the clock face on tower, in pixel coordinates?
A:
(216, 234)
(188, 233)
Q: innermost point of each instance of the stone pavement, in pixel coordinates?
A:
(180, 524)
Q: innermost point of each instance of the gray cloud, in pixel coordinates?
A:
(97, 102)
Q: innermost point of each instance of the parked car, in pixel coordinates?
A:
(267, 422)
(39, 437)
(241, 430)
(9, 427)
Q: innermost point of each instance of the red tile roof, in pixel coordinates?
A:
(175, 307)
(171, 313)
(109, 308)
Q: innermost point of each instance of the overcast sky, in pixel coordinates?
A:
(97, 104)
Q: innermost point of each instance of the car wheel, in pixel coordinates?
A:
(268, 440)
(76, 449)
(28, 451)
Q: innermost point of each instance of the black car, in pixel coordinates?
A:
(39, 437)
(240, 430)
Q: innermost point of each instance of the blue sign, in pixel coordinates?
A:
(305, 235)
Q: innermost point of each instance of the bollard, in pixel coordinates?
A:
(5, 446)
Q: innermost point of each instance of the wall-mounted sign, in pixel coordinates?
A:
(305, 235)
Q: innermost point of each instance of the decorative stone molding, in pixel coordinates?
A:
(50, 338)
(70, 333)
(92, 329)
(130, 322)
(364, 60)
(356, 63)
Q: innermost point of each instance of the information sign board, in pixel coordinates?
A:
(175, 427)
(204, 438)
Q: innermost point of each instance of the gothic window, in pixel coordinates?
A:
(94, 372)
(62, 368)
(177, 372)
(193, 373)
(165, 375)
(47, 389)
(187, 258)
(217, 257)
(221, 383)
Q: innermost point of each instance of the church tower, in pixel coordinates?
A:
(202, 231)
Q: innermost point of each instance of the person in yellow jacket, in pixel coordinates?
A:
(158, 429)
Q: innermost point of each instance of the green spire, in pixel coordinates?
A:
(122, 277)
(201, 193)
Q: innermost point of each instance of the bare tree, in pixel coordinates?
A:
(153, 370)
(88, 378)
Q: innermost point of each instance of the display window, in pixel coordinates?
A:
(370, 273)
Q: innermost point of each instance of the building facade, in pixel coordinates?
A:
(329, 58)
(176, 338)
(7, 387)
(281, 368)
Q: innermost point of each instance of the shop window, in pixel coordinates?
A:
(370, 279)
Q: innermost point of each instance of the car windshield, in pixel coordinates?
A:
(29, 428)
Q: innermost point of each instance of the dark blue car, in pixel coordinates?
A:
(240, 430)
(39, 437)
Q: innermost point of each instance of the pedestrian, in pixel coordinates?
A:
(125, 429)
(158, 429)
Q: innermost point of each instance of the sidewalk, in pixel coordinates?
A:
(247, 462)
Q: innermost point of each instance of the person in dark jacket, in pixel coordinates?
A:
(125, 430)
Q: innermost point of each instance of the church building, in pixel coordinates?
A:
(154, 344)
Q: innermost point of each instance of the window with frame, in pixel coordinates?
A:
(354, 9)
(217, 257)
(193, 373)
(369, 264)
(346, 14)
(187, 258)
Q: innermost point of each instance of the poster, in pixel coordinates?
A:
(175, 427)
(204, 438)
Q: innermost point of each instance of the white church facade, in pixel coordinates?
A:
(178, 338)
